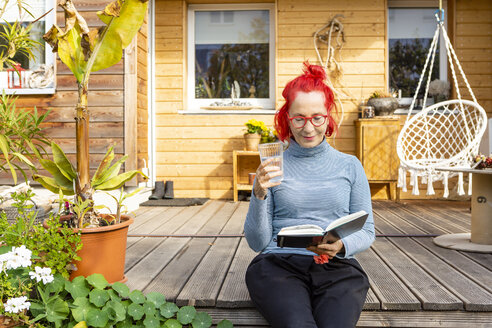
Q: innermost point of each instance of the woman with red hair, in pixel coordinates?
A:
(323, 285)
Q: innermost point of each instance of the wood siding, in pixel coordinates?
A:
(142, 96)
(196, 150)
(110, 112)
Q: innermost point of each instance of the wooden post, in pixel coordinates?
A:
(130, 103)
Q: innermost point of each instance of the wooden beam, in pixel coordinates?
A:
(130, 105)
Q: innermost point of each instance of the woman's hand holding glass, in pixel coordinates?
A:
(265, 172)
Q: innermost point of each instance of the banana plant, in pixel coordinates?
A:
(84, 51)
(64, 178)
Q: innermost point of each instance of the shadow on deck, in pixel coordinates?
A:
(414, 283)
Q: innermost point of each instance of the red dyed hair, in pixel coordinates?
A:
(312, 79)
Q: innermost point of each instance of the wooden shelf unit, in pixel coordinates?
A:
(376, 149)
(243, 163)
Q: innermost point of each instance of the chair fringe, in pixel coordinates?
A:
(430, 187)
(445, 183)
(470, 179)
(415, 190)
(461, 189)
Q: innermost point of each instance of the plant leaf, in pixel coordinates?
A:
(156, 298)
(60, 178)
(56, 309)
(135, 311)
(23, 158)
(186, 314)
(51, 184)
(111, 172)
(168, 310)
(98, 297)
(151, 322)
(137, 297)
(97, 318)
(121, 289)
(118, 311)
(202, 320)
(97, 280)
(103, 166)
(123, 20)
(61, 160)
(77, 288)
(172, 323)
(118, 180)
(225, 324)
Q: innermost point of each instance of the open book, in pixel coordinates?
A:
(302, 236)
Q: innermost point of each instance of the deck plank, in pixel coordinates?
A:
(430, 292)
(234, 293)
(483, 258)
(474, 297)
(205, 283)
(442, 222)
(428, 226)
(392, 292)
(410, 319)
(143, 246)
(174, 276)
(153, 221)
(372, 302)
(163, 251)
(462, 263)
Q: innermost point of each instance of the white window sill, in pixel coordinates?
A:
(222, 112)
(27, 91)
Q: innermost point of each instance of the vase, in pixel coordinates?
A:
(383, 106)
(252, 140)
(103, 250)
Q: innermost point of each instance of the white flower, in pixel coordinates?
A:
(18, 257)
(17, 304)
(43, 274)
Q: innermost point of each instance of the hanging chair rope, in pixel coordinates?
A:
(443, 135)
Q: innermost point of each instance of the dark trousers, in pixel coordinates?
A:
(290, 290)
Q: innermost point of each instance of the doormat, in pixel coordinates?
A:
(175, 202)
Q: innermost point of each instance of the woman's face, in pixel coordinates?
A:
(308, 104)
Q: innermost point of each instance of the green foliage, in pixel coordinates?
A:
(85, 51)
(16, 36)
(92, 302)
(21, 136)
(54, 247)
(380, 94)
(254, 126)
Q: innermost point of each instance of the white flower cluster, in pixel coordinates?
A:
(17, 304)
(18, 257)
(42, 274)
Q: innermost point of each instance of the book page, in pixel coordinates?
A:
(344, 219)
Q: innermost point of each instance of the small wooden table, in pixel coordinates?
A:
(243, 163)
(480, 238)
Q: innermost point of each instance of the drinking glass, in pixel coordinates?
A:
(273, 150)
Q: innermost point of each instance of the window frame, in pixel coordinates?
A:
(49, 20)
(443, 59)
(192, 105)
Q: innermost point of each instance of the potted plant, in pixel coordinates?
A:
(383, 103)
(85, 51)
(254, 131)
(103, 236)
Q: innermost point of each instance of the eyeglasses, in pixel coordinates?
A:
(300, 121)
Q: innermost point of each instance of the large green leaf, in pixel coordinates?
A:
(51, 184)
(118, 181)
(186, 314)
(202, 320)
(56, 309)
(123, 19)
(72, 44)
(97, 280)
(60, 178)
(61, 160)
(4, 147)
(110, 173)
(103, 166)
(97, 318)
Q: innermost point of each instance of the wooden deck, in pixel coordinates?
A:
(414, 283)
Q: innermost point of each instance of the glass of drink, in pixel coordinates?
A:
(273, 150)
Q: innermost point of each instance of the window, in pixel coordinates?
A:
(38, 75)
(230, 47)
(410, 33)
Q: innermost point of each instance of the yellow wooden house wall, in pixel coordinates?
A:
(195, 151)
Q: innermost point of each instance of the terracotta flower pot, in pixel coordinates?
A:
(103, 251)
(252, 140)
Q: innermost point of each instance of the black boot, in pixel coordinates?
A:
(158, 190)
(169, 190)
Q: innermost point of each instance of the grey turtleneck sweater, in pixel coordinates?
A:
(320, 185)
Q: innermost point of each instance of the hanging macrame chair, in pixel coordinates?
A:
(445, 135)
